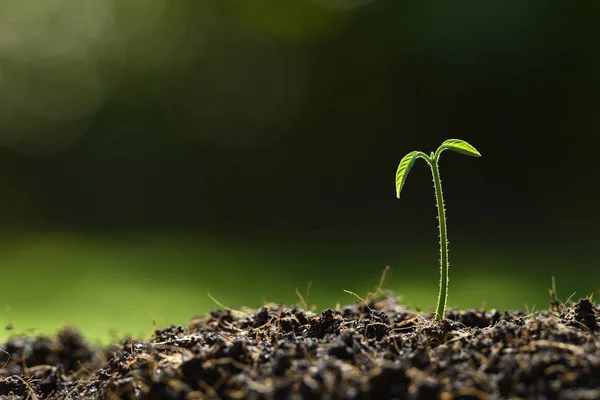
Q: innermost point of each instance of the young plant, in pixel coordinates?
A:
(459, 146)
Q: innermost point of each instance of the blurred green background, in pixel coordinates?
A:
(154, 151)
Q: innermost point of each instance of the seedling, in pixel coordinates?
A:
(459, 146)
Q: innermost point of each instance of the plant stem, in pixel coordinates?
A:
(444, 265)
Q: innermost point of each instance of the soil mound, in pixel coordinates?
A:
(379, 350)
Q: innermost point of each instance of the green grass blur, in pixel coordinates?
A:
(229, 115)
(110, 286)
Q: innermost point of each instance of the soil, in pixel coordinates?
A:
(370, 350)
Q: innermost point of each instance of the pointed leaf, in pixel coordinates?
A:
(460, 146)
(403, 168)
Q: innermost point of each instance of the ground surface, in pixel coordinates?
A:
(173, 272)
(363, 351)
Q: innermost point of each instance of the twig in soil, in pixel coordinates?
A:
(382, 279)
(217, 302)
(228, 325)
(555, 303)
(358, 297)
(458, 335)
(7, 360)
(569, 299)
(31, 392)
(527, 311)
(379, 288)
(304, 305)
(24, 362)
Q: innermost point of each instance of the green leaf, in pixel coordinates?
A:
(403, 168)
(460, 146)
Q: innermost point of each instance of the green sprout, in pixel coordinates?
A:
(459, 146)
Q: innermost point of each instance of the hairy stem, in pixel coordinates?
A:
(444, 265)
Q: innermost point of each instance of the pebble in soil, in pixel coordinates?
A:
(380, 350)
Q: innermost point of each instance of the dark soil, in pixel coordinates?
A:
(383, 351)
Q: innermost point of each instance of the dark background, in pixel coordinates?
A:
(287, 119)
